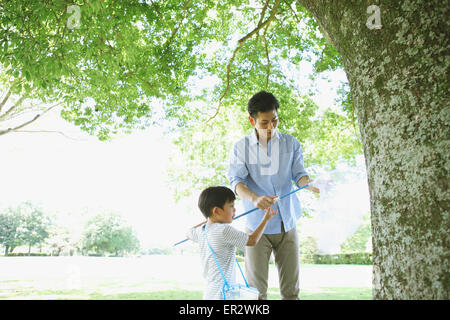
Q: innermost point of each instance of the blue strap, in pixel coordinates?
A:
(214, 256)
(245, 280)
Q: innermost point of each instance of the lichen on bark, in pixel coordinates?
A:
(398, 78)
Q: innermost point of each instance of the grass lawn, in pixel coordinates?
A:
(156, 278)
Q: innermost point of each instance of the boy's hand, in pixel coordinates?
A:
(269, 214)
(200, 224)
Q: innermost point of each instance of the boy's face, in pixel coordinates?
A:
(265, 124)
(226, 214)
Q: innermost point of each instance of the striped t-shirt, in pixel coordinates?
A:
(223, 239)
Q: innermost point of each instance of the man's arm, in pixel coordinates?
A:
(306, 180)
(261, 202)
(299, 174)
(245, 193)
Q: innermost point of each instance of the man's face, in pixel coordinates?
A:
(265, 124)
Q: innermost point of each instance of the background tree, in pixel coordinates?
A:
(10, 230)
(61, 238)
(109, 233)
(34, 225)
(25, 224)
(125, 241)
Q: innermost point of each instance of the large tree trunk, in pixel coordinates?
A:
(398, 79)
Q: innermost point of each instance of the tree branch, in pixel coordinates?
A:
(268, 58)
(49, 131)
(239, 46)
(260, 26)
(2, 132)
(263, 12)
(5, 99)
(293, 11)
(21, 112)
(18, 103)
(156, 9)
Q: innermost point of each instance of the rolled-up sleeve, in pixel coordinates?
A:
(298, 170)
(237, 171)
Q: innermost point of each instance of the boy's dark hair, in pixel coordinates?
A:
(262, 102)
(214, 197)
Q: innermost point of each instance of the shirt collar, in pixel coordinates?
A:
(254, 138)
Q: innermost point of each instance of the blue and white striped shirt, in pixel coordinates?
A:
(223, 239)
(269, 171)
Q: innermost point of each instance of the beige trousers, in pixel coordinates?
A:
(286, 252)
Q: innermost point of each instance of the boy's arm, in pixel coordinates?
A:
(200, 224)
(256, 235)
(190, 234)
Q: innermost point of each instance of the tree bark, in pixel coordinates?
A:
(398, 79)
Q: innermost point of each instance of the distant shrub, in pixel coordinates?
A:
(308, 248)
(24, 254)
(363, 258)
(159, 251)
(357, 242)
(95, 255)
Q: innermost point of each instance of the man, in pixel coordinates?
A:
(263, 166)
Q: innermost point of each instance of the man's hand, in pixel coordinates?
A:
(264, 202)
(315, 189)
(306, 180)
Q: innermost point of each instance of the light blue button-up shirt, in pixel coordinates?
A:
(269, 171)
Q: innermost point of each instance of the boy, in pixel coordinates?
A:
(217, 205)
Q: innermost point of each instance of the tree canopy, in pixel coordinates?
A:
(24, 224)
(109, 233)
(121, 65)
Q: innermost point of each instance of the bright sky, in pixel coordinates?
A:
(61, 174)
(126, 175)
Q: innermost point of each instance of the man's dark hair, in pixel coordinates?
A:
(262, 102)
(214, 197)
